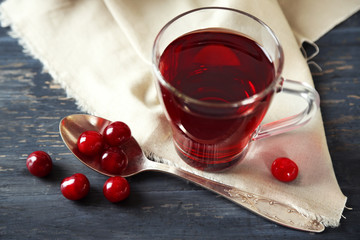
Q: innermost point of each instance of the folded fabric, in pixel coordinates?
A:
(100, 52)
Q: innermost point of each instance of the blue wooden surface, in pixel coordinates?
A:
(160, 206)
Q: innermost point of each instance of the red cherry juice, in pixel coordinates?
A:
(214, 67)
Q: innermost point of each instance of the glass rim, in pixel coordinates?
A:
(188, 99)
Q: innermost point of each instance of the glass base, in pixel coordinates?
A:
(211, 165)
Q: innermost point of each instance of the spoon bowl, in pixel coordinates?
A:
(71, 127)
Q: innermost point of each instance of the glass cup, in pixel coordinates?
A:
(217, 71)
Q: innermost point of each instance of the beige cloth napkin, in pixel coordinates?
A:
(99, 51)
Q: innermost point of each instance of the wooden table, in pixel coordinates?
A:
(160, 206)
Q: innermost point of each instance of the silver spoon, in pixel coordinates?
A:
(72, 126)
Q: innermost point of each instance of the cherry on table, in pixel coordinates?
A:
(117, 133)
(39, 163)
(90, 143)
(116, 189)
(284, 169)
(75, 187)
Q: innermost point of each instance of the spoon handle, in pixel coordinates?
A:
(272, 210)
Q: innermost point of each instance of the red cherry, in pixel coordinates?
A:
(116, 189)
(75, 187)
(117, 133)
(39, 163)
(284, 169)
(90, 143)
(114, 160)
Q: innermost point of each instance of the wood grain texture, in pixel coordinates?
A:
(160, 206)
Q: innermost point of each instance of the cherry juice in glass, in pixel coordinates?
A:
(209, 72)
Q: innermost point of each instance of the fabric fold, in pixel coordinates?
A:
(309, 20)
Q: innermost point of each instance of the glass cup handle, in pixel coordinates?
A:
(301, 89)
